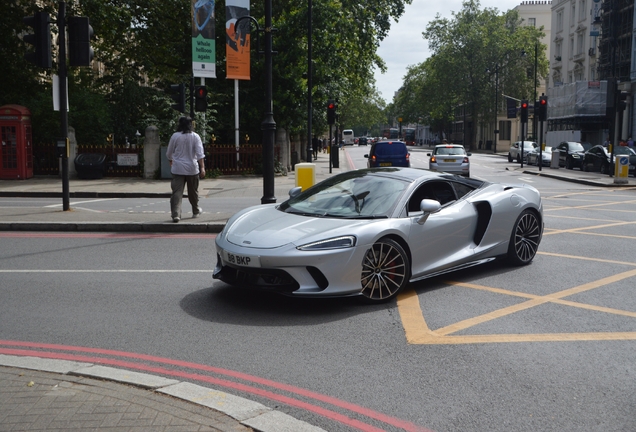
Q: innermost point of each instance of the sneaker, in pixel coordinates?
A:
(198, 213)
(176, 219)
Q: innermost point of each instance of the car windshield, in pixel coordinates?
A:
(390, 149)
(576, 147)
(452, 151)
(356, 195)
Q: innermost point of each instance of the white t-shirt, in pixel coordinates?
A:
(184, 150)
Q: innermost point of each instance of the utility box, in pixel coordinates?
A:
(90, 165)
(554, 162)
(305, 175)
(16, 154)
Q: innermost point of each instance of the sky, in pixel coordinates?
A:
(405, 46)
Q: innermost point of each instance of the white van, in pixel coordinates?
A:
(347, 137)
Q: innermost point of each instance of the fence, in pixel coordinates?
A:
(248, 159)
(223, 158)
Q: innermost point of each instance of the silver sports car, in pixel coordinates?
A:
(370, 232)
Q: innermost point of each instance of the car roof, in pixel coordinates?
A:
(449, 145)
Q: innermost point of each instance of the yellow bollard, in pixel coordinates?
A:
(305, 175)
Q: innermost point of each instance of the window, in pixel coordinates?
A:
(573, 15)
(571, 47)
(505, 129)
(580, 43)
(582, 10)
(532, 22)
(559, 20)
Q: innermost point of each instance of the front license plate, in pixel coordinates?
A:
(241, 260)
(385, 164)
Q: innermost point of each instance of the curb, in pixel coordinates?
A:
(248, 413)
(210, 228)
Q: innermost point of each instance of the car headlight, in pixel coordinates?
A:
(332, 243)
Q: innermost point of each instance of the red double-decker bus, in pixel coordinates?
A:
(390, 133)
(408, 135)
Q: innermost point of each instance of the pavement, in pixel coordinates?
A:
(59, 395)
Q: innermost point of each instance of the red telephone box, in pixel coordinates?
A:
(16, 154)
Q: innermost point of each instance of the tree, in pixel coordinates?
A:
(467, 52)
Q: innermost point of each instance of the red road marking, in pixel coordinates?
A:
(407, 426)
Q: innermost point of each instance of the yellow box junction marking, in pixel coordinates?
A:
(417, 330)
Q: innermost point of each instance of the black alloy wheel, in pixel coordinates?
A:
(385, 271)
(524, 239)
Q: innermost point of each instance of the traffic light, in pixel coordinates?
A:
(543, 108)
(178, 95)
(524, 111)
(200, 98)
(331, 112)
(80, 32)
(621, 102)
(40, 39)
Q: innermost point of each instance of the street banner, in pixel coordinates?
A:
(511, 106)
(203, 47)
(237, 46)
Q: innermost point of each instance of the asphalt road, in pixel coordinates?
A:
(550, 346)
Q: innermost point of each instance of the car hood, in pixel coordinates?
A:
(265, 227)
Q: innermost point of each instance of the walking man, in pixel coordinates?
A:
(185, 153)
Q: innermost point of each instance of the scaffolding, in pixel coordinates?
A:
(616, 39)
(578, 99)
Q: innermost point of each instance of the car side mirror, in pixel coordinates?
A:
(366, 156)
(428, 154)
(295, 191)
(428, 206)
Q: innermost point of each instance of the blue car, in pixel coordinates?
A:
(387, 154)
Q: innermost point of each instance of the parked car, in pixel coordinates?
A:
(450, 158)
(533, 156)
(371, 232)
(571, 154)
(388, 153)
(598, 158)
(514, 153)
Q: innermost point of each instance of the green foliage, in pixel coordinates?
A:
(469, 52)
(143, 46)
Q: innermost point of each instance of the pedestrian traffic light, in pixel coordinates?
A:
(543, 108)
(621, 103)
(80, 32)
(178, 95)
(40, 39)
(524, 111)
(331, 112)
(200, 98)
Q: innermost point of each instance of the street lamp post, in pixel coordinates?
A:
(494, 146)
(268, 125)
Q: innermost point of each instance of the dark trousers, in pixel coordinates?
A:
(178, 185)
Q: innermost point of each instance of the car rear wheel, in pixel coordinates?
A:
(524, 239)
(385, 271)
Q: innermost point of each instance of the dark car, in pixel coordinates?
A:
(388, 153)
(598, 158)
(362, 141)
(571, 154)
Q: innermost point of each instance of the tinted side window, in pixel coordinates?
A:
(462, 189)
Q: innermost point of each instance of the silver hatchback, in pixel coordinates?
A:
(450, 158)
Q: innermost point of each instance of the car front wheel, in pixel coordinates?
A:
(524, 239)
(569, 164)
(385, 271)
(604, 169)
(510, 159)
